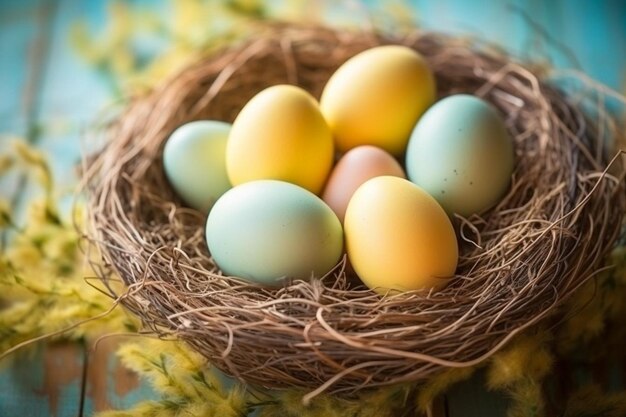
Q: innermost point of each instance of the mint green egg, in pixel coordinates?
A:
(461, 153)
(267, 230)
(194, 160)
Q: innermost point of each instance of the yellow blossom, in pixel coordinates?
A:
(527, 357)
(439, 383)
(591, 401)
(27, 153)
(6, 163)
(527, 399)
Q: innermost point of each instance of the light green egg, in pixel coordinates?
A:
(461, 153)
(194, 160)
(266, 230)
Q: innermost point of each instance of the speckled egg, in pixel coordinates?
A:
(462, 154)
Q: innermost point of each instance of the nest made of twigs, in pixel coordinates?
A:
(517, 262)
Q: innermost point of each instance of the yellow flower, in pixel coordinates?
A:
(28, 154)
(527, 399)
(438, 384)
(5, 213)
(24, 256)
(527, 357)
(592, 402)
(6, 163)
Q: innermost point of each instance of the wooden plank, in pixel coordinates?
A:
(109, 384)
(19, 32)
(43, 381)
(72, 96)
(47, 379)
(21, 40)
(26, 43)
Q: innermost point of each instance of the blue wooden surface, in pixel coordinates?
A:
(108, 384)
(50, 97)
(42, 381)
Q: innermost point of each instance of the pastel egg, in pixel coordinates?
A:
(280, 134)
(194, 162)
(353, 169)
(461, 153)
(398, 237)
(267, 230)
(376, 97)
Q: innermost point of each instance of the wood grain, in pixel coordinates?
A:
(42, 381)
(109, 384)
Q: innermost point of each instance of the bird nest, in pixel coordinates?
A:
(518, 261)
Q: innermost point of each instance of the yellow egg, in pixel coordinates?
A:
(280, 134)
(376, 97)
(398, 237)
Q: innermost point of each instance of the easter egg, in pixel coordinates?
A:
(376, 97)
(194, 162)
(280, 134)
(461, 153)
(353, 169)
(398, 237)
(267, 230)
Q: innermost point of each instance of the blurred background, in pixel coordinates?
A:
(63, 61)
(66, 64)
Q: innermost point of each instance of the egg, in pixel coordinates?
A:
(353, 169)
(461, 153)
(266, 230)
(280, 134)
(398, 237)
(194, 162)
(376, 97)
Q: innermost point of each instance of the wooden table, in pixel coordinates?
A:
(49, 97)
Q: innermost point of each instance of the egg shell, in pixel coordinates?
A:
(267, 230)
(353, 169)
(194, 162)
(461, 153)
(280, 134)
(398, 237)
(376, 97)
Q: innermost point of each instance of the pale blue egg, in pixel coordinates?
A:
(194, 160)
(267, 230)
(461, 153)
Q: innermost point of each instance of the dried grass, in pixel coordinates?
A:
(518, 262)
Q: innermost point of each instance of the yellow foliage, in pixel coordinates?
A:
(519, 370)
(527, 399)
(527, 357)
(379, 402)
(43, 271)
(592, 307)
(28, 154)
(194, 28)
(591, 401)
(6, 163)
(439, 384)
(188, 385)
